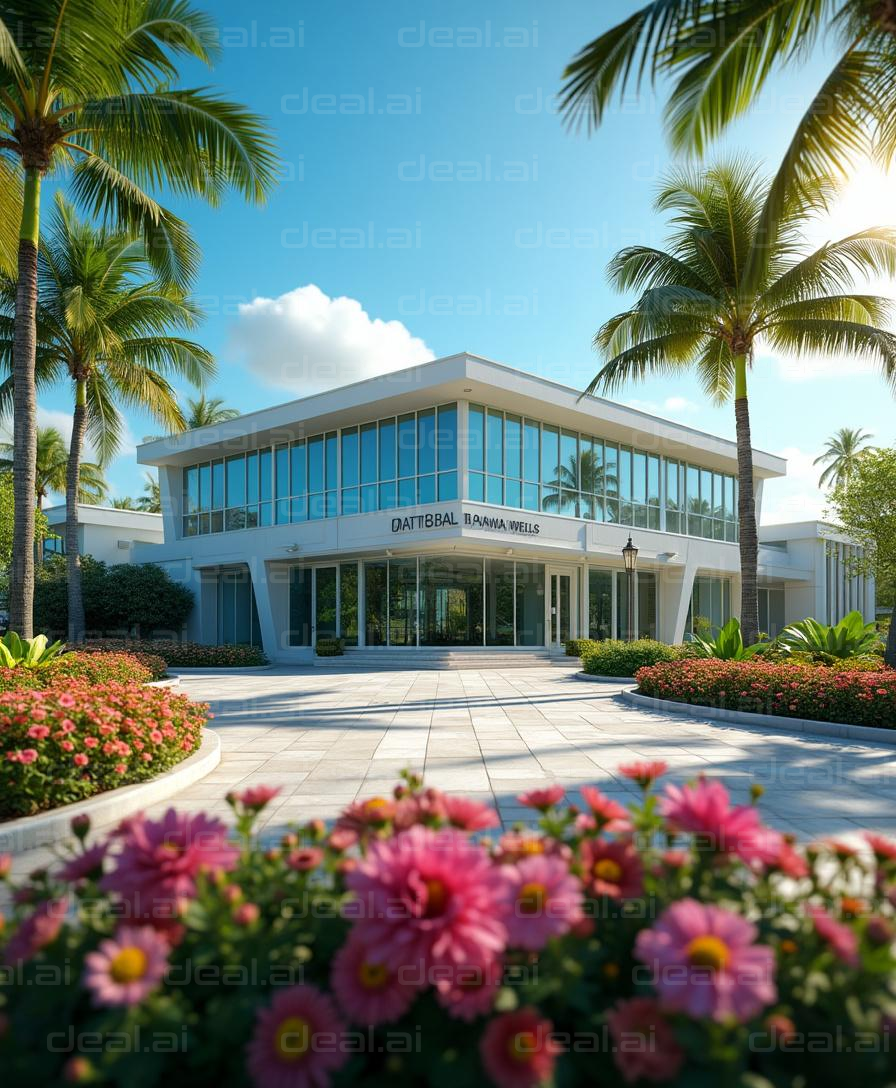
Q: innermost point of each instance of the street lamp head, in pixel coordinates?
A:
(630, 555)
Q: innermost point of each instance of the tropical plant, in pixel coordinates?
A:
(717, 290)
(207, 411)
(124, 502)
(51, 465)
(841, 453)
(28, 653)
(720, 54)
(585, 472)
(151, 499)
(728, 645)
(108, 326)
(851, 637)
(88, 95)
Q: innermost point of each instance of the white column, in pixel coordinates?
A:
(270, 639)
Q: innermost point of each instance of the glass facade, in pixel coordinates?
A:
(529, 465)
(323, 603)
(237, 614)
(710, 606)
(608, 604)
(389, 463)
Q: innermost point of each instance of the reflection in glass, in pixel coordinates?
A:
(530, 604)
(368, 453)
(447, 438)
(348, 603)
(325, 602)
(600, 604)
(476, 437)
(499, 595)
(387, 449)
(407, 445)
(450, 601)
(375, 603)
(495, 443)
(350, 457)
(426, 442)
(402, 602)
(300, 606)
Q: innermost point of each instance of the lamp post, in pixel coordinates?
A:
(630, 558)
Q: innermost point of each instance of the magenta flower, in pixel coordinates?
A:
(38, 930)
(126, 968)
(704, 810)
(840, 938)
(84, 865)
(645, 1045)
(304, 859)
(542, 799)
(368, 992)
(645, 773)
(429, 898)
(468, 815)
(470, 989)
(705, 962)
(613, 869)
(160, 860)
(608, 815)
(257, 797)
(297, 1041)
(542, 900)
(518, 1049)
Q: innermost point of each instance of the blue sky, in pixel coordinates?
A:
(429, 182)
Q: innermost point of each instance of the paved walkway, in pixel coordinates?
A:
(327, 736)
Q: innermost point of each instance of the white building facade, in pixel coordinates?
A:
(106, 532)
(464, 504)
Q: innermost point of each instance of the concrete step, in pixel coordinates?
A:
(434, 658)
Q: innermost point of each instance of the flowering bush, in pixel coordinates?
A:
(677, 941)
(613, 657)
(88, 666)
(794, 691)
(72, 740)
(185, 654)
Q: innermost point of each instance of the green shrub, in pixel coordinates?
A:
(329, 647)
(28, 653)
(185, 654)
(613, 657)
(851, 637)
(92, 668)
(576, 647)
(728, 645)
(74, 739)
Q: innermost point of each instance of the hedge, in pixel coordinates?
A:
(329, 647)
(793, 691)
(76, 738)
(612, 657)
(576, 647)
(184, 654)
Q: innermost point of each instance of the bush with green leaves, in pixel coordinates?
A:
(329, 647)
(851, 637)
(184, 654)
(28, 653)
(576, 647)
(612, 657)
(139, 597)
(728, 645)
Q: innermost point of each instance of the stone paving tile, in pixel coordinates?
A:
(327, 738)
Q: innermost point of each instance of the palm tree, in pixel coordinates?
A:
(720, 53)
(124, 503)
(90, 97)
(151, 499)
(585, 472)
(207, 412)
(111, 329)
(841, 454)
(707, 300)
(52, 462)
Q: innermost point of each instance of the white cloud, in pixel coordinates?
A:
(306, 341)
(796, 497)
(671, 406)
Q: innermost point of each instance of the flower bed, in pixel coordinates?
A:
(399, 949)
(185, 654)
(77, 738)
(89, 667)
(612, 657)
(794, 691)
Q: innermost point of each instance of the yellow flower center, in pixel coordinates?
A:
(293, 1039)
(376, 808)
(531, 846)
(436, 898)
(373, 976)
(708, 952)
(532, 898)
(521, 1047)
(128, 965)
(608, 870)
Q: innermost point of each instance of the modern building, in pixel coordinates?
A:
(462, 503)
(106, 533)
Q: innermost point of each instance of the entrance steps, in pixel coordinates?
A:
(429, 657)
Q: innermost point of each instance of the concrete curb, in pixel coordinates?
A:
(606, 679)
(217, 670)
(777, 722)
(28, 832)
(168, 682)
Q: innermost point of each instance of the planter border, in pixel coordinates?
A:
(777, 722)
(605, 679)
(110, 806)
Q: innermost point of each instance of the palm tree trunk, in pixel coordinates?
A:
(72, 486)
(746, 508)
(21, 596)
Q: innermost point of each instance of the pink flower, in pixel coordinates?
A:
(161, 859)
(28, 755)
(542, 900)
(613, 869)
(127, 967)
(37, 931)
(644, 773)
(705, 963)
(257, 797)
(884, 849)
(39, 732)
(66, 699)
(645, 1045)
(429, 898)
(246, 914)
(608, 815)
(542, 799)
(469, 990)
(87, 864)
(5, 865)
(518, 1049)
(80, 760)
(704, 811)
(360, 816)
(468, 815)
(368, 991)
(841, 939)
(297, 1041)
(304, 859)
(342, 838)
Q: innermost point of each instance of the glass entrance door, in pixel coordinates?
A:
(560, 608)
(325, 603)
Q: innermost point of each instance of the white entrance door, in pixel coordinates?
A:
(561, 606)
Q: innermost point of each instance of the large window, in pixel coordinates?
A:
(771, 610)
(323, 603)
(644, 623)
(710, 606)
(451, 602)
(399, 461)
(530, 465)
(237, 614)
